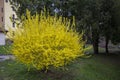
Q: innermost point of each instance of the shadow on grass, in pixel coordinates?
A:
(49, 75)
(17, 71)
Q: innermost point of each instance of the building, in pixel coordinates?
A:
(6, 11)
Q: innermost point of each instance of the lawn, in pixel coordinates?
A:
(4, 49)
(97, 67)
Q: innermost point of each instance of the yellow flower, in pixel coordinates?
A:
(43, 41)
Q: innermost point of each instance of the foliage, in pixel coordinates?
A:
(90, 21)
(106, 27)
(116, 19)
(43, 41)
(96, 17)
(20, 6)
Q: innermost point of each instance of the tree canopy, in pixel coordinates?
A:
(96, 17)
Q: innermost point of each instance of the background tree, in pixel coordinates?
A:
(89, 21)
(95, 17)
(116, 23)
(86, 12)
(107, 21)
(34, 6)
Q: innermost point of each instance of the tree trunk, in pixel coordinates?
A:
(95, 41)
(106, 45)
(95, 47)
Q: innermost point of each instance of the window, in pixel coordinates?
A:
(6, 1)
(13, 8)
(13, 17)
(13, 24)
(1, 9)
(2, 19)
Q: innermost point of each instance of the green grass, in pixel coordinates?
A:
(97, 67)
(5, 49)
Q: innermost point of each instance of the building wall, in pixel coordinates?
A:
(6, 12)
(2, 38)
(1, 14)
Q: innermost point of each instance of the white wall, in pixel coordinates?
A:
(8, 12)
(2, 39)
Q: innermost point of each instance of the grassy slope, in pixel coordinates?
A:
(5, 49)
(97, 67)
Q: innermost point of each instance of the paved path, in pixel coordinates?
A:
(6, 57)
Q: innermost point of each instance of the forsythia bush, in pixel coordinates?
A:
(43, 41)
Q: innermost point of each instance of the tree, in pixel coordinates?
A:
(107, 20)
(116, 18)
(90, 19)
(94, 17)
(87, 17)
(33, 6)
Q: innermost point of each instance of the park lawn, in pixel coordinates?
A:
(97, 67)
(4, 49)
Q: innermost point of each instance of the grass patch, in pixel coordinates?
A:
(5, 49)
(97, 67)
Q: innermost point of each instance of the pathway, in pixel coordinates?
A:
(6, 57)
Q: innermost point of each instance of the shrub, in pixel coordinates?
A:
(43, 41)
